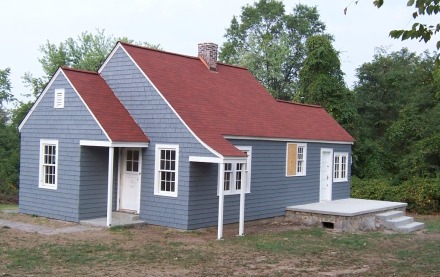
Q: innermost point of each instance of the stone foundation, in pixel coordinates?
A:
(363, 222)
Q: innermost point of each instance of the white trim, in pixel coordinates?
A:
(330, 189)
(340, 154)
(41, 184)
(157, 190)
(119, 178)
(199, 159)
(58, 98)
(287, 139)
(221, 200)
(111, 153)
(304, 171)
(121, 170)
(102, 143)
(248, 168)
(161, 95)
(34, 106)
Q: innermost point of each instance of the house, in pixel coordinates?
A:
(185, 142)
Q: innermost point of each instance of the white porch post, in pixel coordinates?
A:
(242, 199)
(221, 196)
(111, 154)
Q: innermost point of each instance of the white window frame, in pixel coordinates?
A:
(58, 102)
(338, 170)
(248, 167)
(42, 165)
(303, 171)
(248, 171)
(157, 170)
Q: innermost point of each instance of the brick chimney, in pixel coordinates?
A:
(208, 55)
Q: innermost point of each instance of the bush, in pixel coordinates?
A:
(422, 195)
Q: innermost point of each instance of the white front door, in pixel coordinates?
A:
(325, 188)
(130, 183)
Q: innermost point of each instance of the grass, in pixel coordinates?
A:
(8, 207)
(159, 251)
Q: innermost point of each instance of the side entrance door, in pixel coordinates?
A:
(325, 187)
(130, 183)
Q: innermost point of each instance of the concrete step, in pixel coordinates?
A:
(389, 215)
(398, 221)
(411, 227)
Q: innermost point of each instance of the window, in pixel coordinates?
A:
(132, 162)
(166, 173)
(296, 159)
(59, 99)
(340, 167)
(235, 172)
(48, 164)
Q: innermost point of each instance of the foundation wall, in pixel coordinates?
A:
(363, 222)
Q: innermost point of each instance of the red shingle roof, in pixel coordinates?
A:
(230, 102)
(105, 106)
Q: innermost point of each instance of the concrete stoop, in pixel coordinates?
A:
(398, 221)
(118, 219)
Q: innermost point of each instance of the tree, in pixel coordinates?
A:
(321, 81)
(418, 30)
(88, 51)
(270, 43)
(8, 141)
(396, 97)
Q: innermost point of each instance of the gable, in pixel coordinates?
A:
(73, 117)
(96, 98)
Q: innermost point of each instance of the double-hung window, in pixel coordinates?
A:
(167, 168)
(234, 173)
(296, 157)
(48, 173)
(340, 167)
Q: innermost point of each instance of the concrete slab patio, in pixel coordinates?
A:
(353, 215)
(348, 207)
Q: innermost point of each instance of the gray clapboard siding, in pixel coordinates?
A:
(68, 125)
(271, 190)
(162, 126)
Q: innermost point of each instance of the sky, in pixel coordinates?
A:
(178, 26)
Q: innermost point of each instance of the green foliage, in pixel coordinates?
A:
(397, 101)
(418, 30)
(270, 43)
(421, 194)
(321, 81)
(88, 51)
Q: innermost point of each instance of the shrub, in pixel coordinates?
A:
(422, 195)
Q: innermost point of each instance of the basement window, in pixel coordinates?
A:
(328, 225)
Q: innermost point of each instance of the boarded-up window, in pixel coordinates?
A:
(296, 159)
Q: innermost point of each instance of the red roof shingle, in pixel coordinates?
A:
(105, 106)
(230, 102)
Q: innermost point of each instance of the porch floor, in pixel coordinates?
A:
(347, 207)
(118, 219)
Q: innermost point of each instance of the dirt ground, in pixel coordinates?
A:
(157, 251)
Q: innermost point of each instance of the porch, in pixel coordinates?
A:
(353, 215)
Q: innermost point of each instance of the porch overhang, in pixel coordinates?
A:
(221, 161)
(111, 152)
(102, 143)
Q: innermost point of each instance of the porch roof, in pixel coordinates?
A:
(109, 112)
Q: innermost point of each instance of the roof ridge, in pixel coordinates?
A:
(177, 54)
(299, 104)
(157, 50)
(79, 70)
